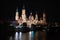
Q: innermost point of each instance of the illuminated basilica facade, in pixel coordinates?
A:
(30, 20)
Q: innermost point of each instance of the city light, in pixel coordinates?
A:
(16, 36)
(30, 20)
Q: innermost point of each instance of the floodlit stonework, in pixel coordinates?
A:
(30, 20)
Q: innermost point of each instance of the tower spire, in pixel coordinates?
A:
(16, 9)
(17, 14)
(23, 6)
(44, 10)
(36, 16)
(24, 14)
(44, 17)
(31, 14)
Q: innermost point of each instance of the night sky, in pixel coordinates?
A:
(51, 9)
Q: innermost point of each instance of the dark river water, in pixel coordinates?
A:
(34, 35)
(52, 34)
(31, 35)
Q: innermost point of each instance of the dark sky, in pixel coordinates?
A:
(51, 9)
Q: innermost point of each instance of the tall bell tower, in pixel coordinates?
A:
(23, 14)
(44, 18)
(36, 18)
(17, 15)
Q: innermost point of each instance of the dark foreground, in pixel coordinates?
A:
(53, 33)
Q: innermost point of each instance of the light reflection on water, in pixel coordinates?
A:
(32, 35)
(20, 35)
(16, 36)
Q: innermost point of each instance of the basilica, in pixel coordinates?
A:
(30, 20)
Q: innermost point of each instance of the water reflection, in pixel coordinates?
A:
(11, 38)
(20, 35)
(16, 36)
(31, 35)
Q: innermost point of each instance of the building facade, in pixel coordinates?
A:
(30, 20)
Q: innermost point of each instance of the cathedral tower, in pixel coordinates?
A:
(30, 16)
(44, 18)
(17, 15)
(23, 14)
(36, 18)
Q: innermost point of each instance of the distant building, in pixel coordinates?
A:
(30, 20)
(17, 15)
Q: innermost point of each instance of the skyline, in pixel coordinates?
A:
(31, 19)
(9, 9)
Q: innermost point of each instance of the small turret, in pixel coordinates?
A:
(30, 16)
(36, 16)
